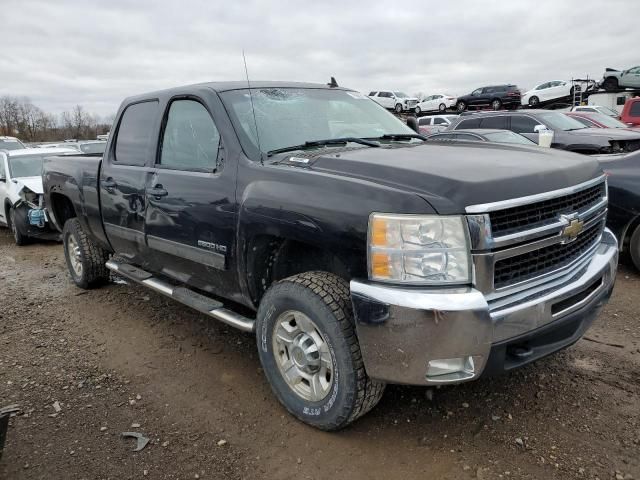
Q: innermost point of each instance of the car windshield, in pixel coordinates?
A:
(94, 147)
(559, 121)
(507, 137)
(286, 117)
(400, 94)
(608, 121)
(26, 165)
(10, 144)
(608, 111)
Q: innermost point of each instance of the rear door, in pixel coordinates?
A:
(123, 178)
(190, 218)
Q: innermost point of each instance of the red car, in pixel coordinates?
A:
(631, 111)
(600, 120)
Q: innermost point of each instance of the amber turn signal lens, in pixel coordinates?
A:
(380, 265)
(379, 232)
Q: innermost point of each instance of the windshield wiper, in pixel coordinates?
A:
(399, 136)
(324, 143)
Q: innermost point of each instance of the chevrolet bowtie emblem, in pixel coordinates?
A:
(571, 231)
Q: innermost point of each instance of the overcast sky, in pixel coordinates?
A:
(66, 52)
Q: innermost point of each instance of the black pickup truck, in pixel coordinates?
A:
(367, 255)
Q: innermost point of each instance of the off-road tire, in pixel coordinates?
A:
(325, 299)
(634, 247)
(93, 257)
(18, 237)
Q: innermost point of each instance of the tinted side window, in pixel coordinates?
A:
(635, 109)
(471, 123)
(440, 121)
(494, 122)
(522, 124)
(371, 94)
(135, 133)
(424, 121)
(2, 174)
(191, 139)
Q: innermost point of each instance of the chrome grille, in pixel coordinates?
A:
(530, 240)
(526, 266)
(528, 216)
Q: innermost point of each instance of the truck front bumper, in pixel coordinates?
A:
(423, 336)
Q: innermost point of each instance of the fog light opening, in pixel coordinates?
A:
(451, 368)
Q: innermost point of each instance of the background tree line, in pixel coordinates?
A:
(21, 118)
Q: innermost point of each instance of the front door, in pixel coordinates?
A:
(190, 218)
(123, 178)
(3, 189)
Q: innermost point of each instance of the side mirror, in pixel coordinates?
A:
(412, 123)
(539, 128)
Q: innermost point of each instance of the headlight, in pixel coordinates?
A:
(418, 249)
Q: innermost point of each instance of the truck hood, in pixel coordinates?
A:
(32, 183)
(453, 176)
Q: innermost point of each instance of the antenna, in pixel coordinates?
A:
(253, 110)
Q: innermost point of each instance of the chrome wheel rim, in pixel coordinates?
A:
(533, 101)
(303, 356)
(496, 105)
(75, 257)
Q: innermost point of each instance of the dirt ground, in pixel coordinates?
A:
(122, 358)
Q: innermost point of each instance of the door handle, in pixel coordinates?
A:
(157, 191)
(109, 185)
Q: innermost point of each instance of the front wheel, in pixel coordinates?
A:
(85, 259)
(496, 104)
(634, 247)
(533, 101)
(18, 237)
(461, 106)
(417, 110)
(398, 108)
(310, 353)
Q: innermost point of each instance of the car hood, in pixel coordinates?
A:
(611, 133)
(453, 176)
(32, 183)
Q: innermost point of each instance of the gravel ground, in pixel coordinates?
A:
(86, 366)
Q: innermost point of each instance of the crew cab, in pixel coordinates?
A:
(357, 253)
(397, 101)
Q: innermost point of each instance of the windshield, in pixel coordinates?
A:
(559, 121)
(508, 137)
(10, 144)
(95, 147)
(292, 116)
(26, 165)
(400, 94)
(608, 111)
(608, 121)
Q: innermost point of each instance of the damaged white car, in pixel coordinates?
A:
(21, 191)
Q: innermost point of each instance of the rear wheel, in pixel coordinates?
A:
(85, 259)
(18, 237)
(310, 353)
(610, 84)
(634, 247)
(398, 108)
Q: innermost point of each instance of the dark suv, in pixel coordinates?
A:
(568, 133)
(496, 97)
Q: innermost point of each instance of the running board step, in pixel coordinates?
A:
(188, 297)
